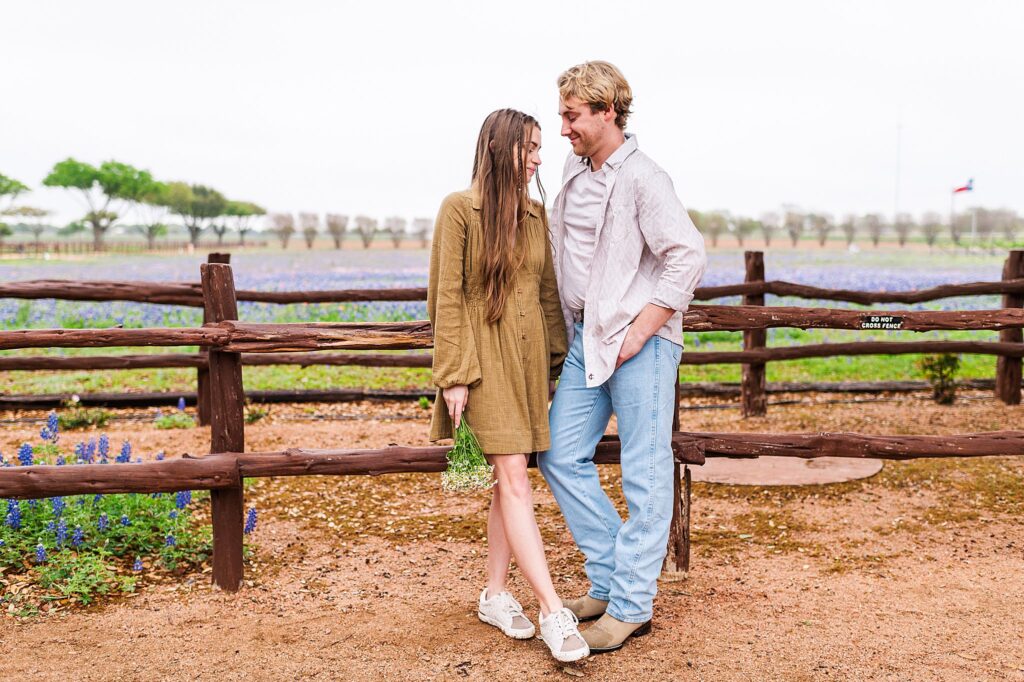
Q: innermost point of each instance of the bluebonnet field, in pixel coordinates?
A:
(350, 269)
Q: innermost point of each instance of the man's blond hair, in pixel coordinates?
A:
(599, 84)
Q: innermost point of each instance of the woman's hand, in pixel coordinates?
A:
(456, 398)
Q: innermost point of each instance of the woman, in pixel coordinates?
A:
(499, 336)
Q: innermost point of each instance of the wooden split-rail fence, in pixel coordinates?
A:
(753, 388)
(224, 339)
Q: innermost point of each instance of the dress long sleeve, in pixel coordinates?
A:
(455, 353)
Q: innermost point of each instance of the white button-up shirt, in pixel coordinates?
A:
(646, 250)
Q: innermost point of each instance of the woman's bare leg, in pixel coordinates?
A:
(520, 526)
(499, 553)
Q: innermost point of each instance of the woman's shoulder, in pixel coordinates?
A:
(459, 201)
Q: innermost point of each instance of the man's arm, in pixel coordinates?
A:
(672, 237)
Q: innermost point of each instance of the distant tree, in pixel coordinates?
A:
(5, 232)
(32, 218)
(821, 225)
(366, 227)
(153, 210)
(310, 223)
(713, 224)
(394, 228)
(793, 221)
(902, 225)
(241, 215)
(744, 227)
(284, 227)
(849, 229)
(10, 190)
(337, 225)
(423, 229)
(769, 226)
(105, 189)
(931, 225)
(1008, 222)
(197, 205)
(986, 223)
(873, 225)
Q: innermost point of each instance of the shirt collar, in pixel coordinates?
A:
(628, 146)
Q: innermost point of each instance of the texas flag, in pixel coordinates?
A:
(969, 187)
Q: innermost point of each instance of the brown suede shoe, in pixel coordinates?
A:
(609, 634)
(586, 607)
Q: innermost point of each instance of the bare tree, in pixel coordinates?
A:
(769, 226)
(873, 225)
(931, 225)
(394, 227)
(794, 223)
(337, 225)
(1008, 222)
(423, 228)
(849, 229)
(284, 227)
(957, 226)
(367, 229)
(310, 223)
(821, 224)
(902, 225)
(32, 218)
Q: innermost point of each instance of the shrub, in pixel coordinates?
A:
(940, 371)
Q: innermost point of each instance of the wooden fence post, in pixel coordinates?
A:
(227, 427)
(1008, 370)
(677, 559)
(752, 386)
(203, 373)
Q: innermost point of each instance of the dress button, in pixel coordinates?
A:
(590, 376)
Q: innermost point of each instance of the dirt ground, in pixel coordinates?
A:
(914, 574)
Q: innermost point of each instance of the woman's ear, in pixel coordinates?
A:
(490, 146)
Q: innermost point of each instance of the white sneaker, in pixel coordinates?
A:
(504, 612)
(560, 632)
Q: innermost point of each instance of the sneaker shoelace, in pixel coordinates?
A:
(565, 623)
(510, 604)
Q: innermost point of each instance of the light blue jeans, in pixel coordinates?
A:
(623, 559)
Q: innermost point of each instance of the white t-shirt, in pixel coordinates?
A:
(583, 201)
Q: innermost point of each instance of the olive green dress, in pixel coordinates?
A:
(507, 365)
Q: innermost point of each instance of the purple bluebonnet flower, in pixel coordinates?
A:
(60, 460)
(181, 404)
(126, 454)
(77, 537)
(90, 450)
(104, 446)
(137, 566)
(173, 514)
(170, 540)
(2, 543)
(160, 456)
(58, 505)
(40, 553)
(96, 498)
(25, 455)
(32, 504)
(183, 499)
(61, 532)
(125, 521)
(80, 452)
(13, 514)
(102, 523)
(250, 521)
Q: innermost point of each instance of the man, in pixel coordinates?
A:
(627, 259)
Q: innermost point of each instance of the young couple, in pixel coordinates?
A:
(597, 297)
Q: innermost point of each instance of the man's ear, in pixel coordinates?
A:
(609, 115)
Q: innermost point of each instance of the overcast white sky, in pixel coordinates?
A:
(361, 107)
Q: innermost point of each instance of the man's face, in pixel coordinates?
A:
(587, 131)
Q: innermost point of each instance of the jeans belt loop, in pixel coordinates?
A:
(577, 316)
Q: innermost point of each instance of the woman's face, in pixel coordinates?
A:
(531, 155)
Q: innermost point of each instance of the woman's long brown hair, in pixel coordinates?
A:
(499, 175)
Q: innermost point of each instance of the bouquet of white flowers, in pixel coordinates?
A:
(467, 467)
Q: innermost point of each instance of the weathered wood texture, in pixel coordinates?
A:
(227, 428)
(190, 294)
(700, 318)
(114, 336)
(203, 370)
(1008, 367)
(826, 350)
(208, 473)
(262, 338)
(753, 398)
